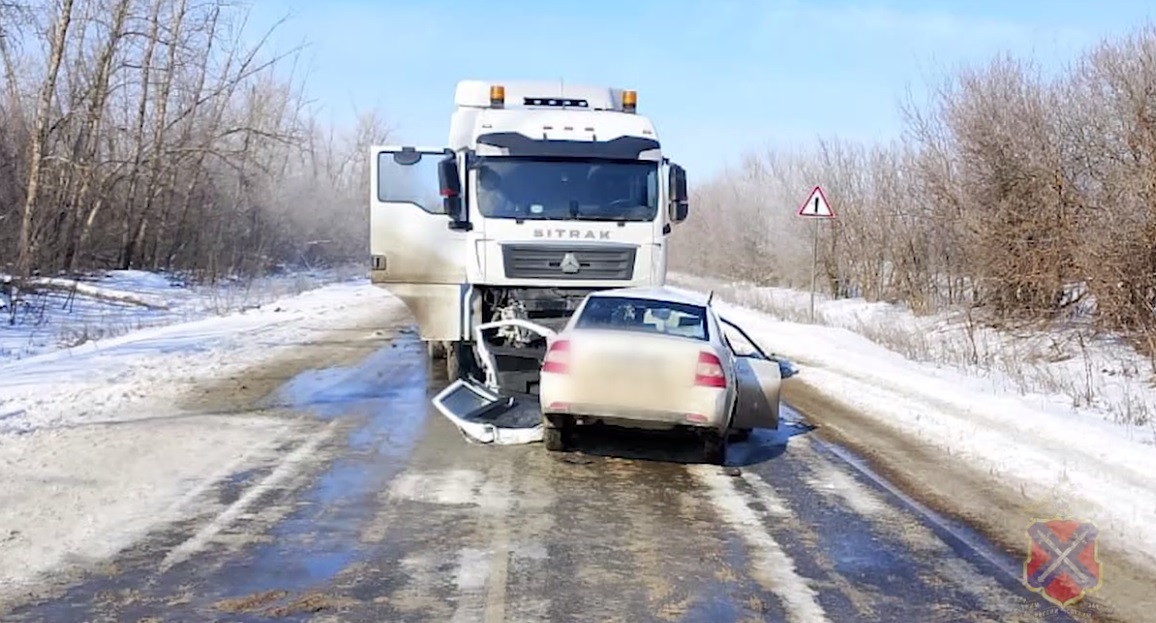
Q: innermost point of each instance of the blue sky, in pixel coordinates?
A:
(717, 77)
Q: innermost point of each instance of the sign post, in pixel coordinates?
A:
(816, 208)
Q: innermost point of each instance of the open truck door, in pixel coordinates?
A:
(759, 380)
(417, 242)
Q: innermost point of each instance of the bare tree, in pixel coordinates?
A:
(56, 45)
(158, 134)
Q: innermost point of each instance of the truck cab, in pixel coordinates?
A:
(544, 193)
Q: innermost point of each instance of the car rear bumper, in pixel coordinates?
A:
(635, 418)
(698, 408)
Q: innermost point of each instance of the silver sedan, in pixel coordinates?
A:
(656, 358)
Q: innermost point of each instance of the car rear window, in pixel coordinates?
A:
(644, 316)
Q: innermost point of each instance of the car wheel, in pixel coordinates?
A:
(715, 449)
(558, 436)
(554, 438)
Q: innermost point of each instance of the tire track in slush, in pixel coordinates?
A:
(287, 469)
(774, 569)
(887, 555)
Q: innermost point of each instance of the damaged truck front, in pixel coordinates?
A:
(545, 193)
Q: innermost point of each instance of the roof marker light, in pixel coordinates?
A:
(630, 101)
(497, 95)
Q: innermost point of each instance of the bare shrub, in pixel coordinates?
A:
(1015, 197)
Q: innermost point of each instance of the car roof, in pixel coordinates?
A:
(656, 293)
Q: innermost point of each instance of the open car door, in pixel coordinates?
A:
(759, 380)
(415, 254)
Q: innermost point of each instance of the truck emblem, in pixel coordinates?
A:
(569, 264)
(572, 233)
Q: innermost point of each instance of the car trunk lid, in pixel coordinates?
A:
(632, 370)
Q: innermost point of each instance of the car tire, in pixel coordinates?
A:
(715, 448)
(554, 438)
(558, 436)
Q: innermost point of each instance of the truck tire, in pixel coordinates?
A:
(461, 362)
(453, 361)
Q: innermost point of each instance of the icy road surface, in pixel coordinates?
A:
(365, 505)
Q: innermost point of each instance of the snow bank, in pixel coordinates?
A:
(96, 379)
(1097, 374)
(58, 313)
(1037, 442)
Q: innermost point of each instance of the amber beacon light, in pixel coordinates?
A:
(630, 101)
(497, 95)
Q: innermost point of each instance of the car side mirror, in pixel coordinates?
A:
(450, 188)
(786, 368)
(679, 207)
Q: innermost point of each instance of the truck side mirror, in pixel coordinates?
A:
(679, 207)
(450, 188)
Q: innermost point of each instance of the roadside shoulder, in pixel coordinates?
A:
(985, 501)
(122, 441)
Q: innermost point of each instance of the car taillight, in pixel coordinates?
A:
(710, 371)
(557, 358)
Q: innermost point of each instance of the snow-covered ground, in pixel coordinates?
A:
(59, 313)
(1069, 367)
(1063, 420)
(95, 449)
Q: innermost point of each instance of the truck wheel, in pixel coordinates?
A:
(715, 448)
(453, 361)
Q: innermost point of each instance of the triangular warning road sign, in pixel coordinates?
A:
(816, 205)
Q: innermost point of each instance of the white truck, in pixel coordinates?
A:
(547, 191)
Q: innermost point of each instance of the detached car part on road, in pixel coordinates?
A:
(651, 358)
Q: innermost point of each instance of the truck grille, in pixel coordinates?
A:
(536, 261)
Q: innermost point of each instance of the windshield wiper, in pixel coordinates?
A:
(605, 218)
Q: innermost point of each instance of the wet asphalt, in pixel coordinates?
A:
(397, 518)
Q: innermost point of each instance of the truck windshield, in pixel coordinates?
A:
(567, 189)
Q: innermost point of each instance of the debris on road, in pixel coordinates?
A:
(489, 418)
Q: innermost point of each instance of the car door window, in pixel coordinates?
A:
(740, 344)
